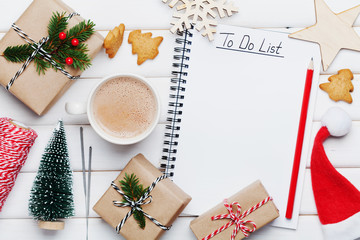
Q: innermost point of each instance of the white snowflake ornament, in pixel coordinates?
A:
(199, 13)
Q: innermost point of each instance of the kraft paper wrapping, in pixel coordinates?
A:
(248, 197)
(168, 201)
(40, 92)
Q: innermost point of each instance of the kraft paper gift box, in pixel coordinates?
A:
(168, 201)
(247, 198)
(40, 92)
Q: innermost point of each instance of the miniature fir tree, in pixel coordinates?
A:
(51, 195)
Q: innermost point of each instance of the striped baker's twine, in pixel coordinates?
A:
(38, 50)
(236, 218)
(145, 199)
(15, 144)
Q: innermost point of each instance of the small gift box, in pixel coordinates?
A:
(161, 203)
(238, 216)
(40, 91)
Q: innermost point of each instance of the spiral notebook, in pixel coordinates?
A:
(234, 115)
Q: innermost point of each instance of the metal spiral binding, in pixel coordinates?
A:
(177, 90)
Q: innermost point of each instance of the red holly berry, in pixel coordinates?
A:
(69, 61)
(75, 42)
(62, 36)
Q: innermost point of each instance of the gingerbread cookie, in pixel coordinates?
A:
(340, 86)
(144, 46)
(114, 40)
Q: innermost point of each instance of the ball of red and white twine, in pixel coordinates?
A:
(15, 144)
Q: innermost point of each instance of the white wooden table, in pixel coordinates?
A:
(108, 159)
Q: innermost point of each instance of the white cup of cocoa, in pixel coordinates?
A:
(122, 108)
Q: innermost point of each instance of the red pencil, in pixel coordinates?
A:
(299, 141)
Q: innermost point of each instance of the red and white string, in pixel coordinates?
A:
(15, 144)
(236, 218)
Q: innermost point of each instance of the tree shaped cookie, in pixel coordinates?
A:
(340, 86)
(144, 46)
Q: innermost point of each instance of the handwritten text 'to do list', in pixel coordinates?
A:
(247, 44)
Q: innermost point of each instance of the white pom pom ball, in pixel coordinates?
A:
(337, 121)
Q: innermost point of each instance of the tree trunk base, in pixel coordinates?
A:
(56, 225)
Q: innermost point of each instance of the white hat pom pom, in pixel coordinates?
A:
(337, 121)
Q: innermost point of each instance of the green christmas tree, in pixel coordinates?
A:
(51, 195)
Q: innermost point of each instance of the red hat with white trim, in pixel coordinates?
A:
(337, 200)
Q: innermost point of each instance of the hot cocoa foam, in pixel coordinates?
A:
(124, 107)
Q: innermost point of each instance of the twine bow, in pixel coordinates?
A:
(236, 218)
(135, 205)
(37, 50)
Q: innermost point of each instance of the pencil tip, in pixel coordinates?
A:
(311, 64)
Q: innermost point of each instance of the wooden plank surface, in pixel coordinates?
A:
(109, 160)
(153, 14)
(124, 61)
(17, 203)
(309, 228)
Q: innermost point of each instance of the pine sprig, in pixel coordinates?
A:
(81, 31)
(58, 23)
(18, 53)
(57, 48)
(59, 60)
(131, 187)
(41, 65)
(80, 58)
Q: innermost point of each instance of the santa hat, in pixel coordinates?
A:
(337, 200)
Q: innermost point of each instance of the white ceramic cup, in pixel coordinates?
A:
(76, 108)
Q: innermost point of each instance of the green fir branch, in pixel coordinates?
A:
(82, 31)
(18, 53)
(58, 23)
(140, 218)
(80, 59)
(41, 65)
(58, 49)
(82, 47)
(59, 61)
(131, 187)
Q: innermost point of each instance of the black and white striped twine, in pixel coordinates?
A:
(136, 205)
(38, 50)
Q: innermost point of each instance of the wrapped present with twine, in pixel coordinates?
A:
(238, 216)
(145, 211)
(36, 76)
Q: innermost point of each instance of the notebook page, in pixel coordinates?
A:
(241, 115)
